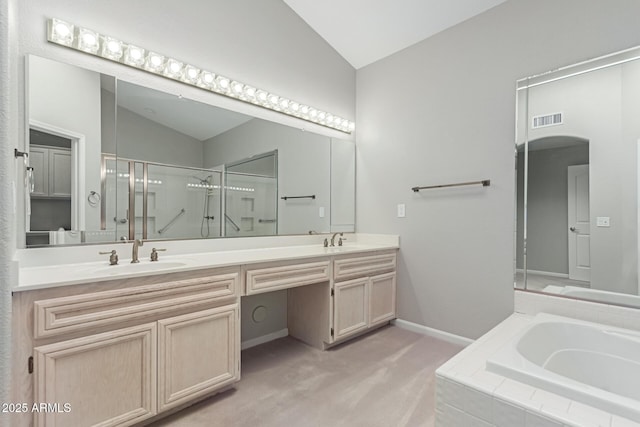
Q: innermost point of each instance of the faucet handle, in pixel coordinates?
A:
(326, 243)
(340, 240)
(154, 253)
(113, 258)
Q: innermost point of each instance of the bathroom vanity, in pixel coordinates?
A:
(138, 341)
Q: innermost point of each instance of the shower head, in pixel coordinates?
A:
(206, 180)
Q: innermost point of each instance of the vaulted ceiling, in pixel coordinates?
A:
(364, 31)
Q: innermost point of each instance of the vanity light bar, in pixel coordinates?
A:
(107, 47)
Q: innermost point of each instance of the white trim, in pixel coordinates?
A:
(436, 333)
(265, 338)
(78, 175)
(544, 273)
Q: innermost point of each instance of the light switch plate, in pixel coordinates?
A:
(401, 210)
(321, 213)
(603, 221)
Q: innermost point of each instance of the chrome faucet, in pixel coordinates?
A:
(333, 238)
(134, 253)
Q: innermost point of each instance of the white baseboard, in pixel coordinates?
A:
(265, 338)
(436, 333)
(544, 273)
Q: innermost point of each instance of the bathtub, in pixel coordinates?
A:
(587, 362)
(595, 295)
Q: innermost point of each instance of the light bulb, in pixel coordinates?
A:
(237, 88)
(223, 83)
(173, 68)
(155, 62)
(262, 96)
(61, 32)
(284, 103)
(273, 99)
(294, 106)
(134, 56)
(190, 74)
(207, 79)
(112, 48)
(88, 41)
(250, 92)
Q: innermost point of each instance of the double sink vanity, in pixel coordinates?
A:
(122, 344)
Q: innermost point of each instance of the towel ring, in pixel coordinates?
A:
(94, 198)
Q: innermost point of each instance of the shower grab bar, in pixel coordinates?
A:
(313, 196)
(266, 220)
(170, 223)
(235, 226)
(484, 183)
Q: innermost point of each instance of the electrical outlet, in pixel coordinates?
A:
(321, 212)
(603, 221)
(401, 210)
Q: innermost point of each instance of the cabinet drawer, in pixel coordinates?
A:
(286, 276)
(344, 268)
(75, 313)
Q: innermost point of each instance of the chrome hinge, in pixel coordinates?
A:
(331, 331)
(30, 364)
(332, 292)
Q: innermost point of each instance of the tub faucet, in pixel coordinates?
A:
(134, 253)
(333, 238)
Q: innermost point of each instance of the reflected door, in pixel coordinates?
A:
(579, 224)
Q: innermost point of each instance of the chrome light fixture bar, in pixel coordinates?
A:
(104, 46)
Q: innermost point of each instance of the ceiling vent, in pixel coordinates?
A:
(546, 120)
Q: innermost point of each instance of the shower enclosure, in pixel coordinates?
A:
(145, 200)
(251, 195)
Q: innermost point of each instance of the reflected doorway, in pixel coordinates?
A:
(49, 186)
(555, 214)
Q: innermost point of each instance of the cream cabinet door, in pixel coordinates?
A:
(198, 353)
(350, 307)
(382, 307)
(100, 380)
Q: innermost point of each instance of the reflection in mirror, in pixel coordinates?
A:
(63, 199)
(172, 167)
(577, 182)
(251, 202)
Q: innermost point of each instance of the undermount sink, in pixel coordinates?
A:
(138, 268)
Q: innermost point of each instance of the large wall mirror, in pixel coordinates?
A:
(111, 160)
(577, 180)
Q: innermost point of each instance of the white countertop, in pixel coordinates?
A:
(33, 276)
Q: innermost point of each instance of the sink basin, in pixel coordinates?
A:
(142, 267)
